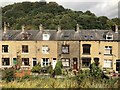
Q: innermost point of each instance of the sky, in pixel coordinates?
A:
(107, 8)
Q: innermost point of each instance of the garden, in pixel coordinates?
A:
(59, 77)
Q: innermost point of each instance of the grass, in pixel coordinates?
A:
(41, 82)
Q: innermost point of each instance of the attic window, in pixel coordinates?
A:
(85, 36)
(91, 37)
(26, 35)
(66, 36)
(46, 36)
(109, 37)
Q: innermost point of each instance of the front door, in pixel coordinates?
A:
(75, 63)
(117, 65)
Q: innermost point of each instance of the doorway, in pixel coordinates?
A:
(75, 63)
(117, 65)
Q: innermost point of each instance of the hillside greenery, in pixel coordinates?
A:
(32, 14)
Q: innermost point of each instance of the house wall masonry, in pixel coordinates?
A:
(76, 49)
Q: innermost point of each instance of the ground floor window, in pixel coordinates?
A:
(34, 61)
(86, 62)
(14, 61)
(66, 62)
(44, 62)
(107, 63)
(5, 61)
(25, 61)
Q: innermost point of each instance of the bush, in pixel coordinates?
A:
(58, 68)
(50, 69)
(8, 74)
(36, 68)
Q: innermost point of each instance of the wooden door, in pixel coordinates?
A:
(75, 63)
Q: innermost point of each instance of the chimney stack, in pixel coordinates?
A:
(23, 28)
(41, 27)
(59, 28)
(116, 29)
(5, 28)
(77, 27)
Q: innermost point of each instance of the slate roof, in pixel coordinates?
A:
(36, 35)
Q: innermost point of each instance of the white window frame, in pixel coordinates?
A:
(108, 50)
(65, 62)
(45, 49)
(46, 36)
(110, 36)
(107, 63)
(5, 62)
(23, 63)
(3, 49)
(43, 64)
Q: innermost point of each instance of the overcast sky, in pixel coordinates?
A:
(107, 8)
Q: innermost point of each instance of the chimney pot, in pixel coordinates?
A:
(116, 29)
(5, 28)
(23, 28)
(41, 27)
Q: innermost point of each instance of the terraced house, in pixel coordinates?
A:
(77, 49)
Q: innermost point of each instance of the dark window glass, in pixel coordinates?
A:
(5, 61)
(25, 61)
(65, 49)
(25, 48)
(4, 48)
(86, 62)
(86, 48)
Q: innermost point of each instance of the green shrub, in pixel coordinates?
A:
(50, 69)
(58, 68)
(36, 68)
(95, 71)
(8, 74)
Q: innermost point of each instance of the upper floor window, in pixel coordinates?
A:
(45, 49)
(108, 50)
(24, 48)
(46, 36)
(5, 48)
(65, 49)
(86, 48)
(5, 61)
(109, 37)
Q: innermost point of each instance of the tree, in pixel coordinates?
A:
(58, 68)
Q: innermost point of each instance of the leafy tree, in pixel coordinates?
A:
(50, 15)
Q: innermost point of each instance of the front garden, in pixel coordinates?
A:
(47, 77)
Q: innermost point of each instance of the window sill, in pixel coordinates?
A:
(5, 52)
(24, 53)
(108, 54)
(25, 66)
(86, 54)
(6, 66)
(85, 67)
(107, 68)
(65, 53)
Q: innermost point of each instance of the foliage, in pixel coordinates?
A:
(50, 15)
(8, 74)
(58, 68)
(50, 69)
(39, 82)
(36, 68)
(95, 71)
